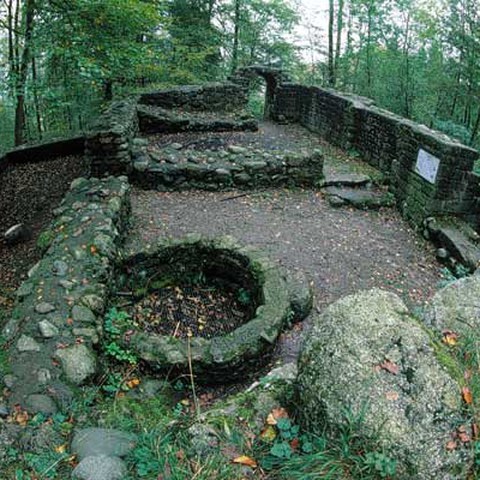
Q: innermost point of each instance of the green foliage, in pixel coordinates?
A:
(45, 239)
(450, 276)
(244, 296)
(116, 323)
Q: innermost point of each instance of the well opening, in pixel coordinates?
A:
(191, 290)
(211, 303)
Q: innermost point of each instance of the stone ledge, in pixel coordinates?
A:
(177, 169)
(59, 311)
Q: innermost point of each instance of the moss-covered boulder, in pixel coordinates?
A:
(367, 358)
(456, 307)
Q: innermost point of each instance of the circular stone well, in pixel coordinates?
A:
(222, 304)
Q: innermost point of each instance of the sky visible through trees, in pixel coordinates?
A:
(60, 61)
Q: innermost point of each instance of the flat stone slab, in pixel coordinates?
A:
(345, 180)
(102, 441)
(361, 199)
(459, 246)
(100, 467)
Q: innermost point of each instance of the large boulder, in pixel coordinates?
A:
(365, 355)
(456, 307)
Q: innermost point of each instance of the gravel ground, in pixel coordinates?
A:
(341, 250)
(29, 193)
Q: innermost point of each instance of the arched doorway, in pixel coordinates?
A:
(248, 78)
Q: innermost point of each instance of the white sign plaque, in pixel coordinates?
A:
(427, 166)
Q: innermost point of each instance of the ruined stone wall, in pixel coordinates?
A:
(392, 144)
(108, 144)
(214, 97)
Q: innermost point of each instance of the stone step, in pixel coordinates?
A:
(458, 240)
(353, 180)
(361, 199)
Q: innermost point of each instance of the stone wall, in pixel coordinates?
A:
(213, 97)
(41, 151)
(239, 167)
(108, 144)
(58, 317)
(392, 144)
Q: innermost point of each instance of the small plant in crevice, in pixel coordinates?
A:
(451, 276)
(244, 296)
(116, 323)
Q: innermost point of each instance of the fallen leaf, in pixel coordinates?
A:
(390, 367)
(21, 417)
(451, 445)
(474, 431)
(61, 448)
(295, 443)
(244, 460)
(450, 338)
(464, 437)
(467, 395)
(134, 382)
(392, 396)
(268, 433)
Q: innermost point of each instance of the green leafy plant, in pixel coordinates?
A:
(116, 323)
(244, 296)
(382, 464)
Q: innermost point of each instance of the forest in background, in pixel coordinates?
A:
(61, 60)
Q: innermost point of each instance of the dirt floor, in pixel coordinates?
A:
(29, 191)
(341, 250)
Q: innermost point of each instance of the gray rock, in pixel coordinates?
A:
(83, 314)
(94, 303)
(242, 178)
(37, 403)
(44, 376)
(237, 150)
(47, 329)
(336, 202)
(176, 146)
(24, 290)
(44, 308)
(4, 411)
(456, 307)
(460, 246)
(254, 165)
(66, 284)
(100, 467)
(60, 268)
(16, 234)
(33, 270)
(301, 294)
(27, 344)
(140, 142)
(78, 363)
(102, 441)
(9, 380)
(442, 253)
(345, 180)
(365, 355)
(91, 333)
(362, 199)
(203, 439)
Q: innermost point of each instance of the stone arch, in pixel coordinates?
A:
(273, 78)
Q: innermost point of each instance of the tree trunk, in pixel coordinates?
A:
(331, 66)
(338, 45)
(35, 98)
(236, 34)
(20, 118)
